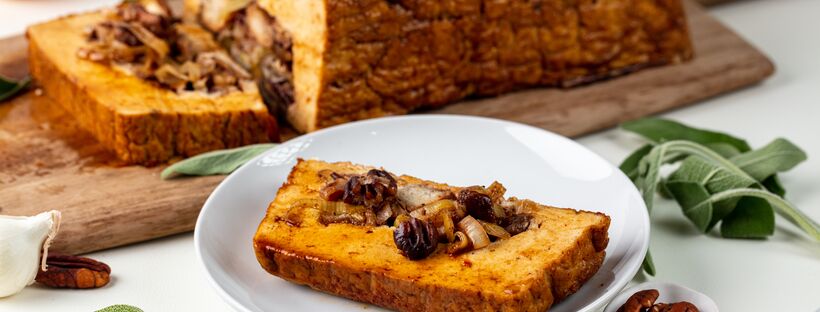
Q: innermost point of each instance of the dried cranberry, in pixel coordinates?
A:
(478, 205)
(416, 238)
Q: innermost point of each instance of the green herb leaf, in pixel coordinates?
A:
(751, 218)
(630, 165)
(720, 179)
(715, 179)
(693, 199)
(215, 162)
(773, 185)
(724, 149)
(783, 207)
(649, 167)
(120, 308)
(648, 265)
(660, 130)
(9, 88)
(778, 156)
(709, 174)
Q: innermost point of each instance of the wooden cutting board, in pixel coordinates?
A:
(47, 162)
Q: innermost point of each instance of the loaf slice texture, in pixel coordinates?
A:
(529, 272)
(362, 59)
(138, 121)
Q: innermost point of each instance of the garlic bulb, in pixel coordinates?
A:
(24, 243)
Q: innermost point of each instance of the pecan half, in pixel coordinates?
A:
(640, 301)
(65, 271)
(682, 306)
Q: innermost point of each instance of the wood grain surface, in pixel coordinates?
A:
(47, 162)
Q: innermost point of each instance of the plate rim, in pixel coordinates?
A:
(599, 302)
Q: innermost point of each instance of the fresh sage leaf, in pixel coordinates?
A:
(751, 218)
(215, 162)
(9, 88)
(773, 185)
(649, 171)
(663, 190)
(719, 179)
(660, 130)
(120, 308)
(630, 165)
(709, 174)
(778, 156)
(781, 206)
(648, 265)
(715, 179)
(724, 149)
(693, 199)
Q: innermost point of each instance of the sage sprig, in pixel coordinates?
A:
(9, 88)
(720, 179)
(215, 162)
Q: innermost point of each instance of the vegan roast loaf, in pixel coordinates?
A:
(143, 110)
(308, 238)
(341, 60)
(151, 87)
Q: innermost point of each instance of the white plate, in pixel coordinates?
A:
(669, 293)
(530, 162)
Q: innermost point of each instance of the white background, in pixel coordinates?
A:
(778, 274)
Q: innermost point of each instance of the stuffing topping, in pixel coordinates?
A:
(422, 216)
(142, 38)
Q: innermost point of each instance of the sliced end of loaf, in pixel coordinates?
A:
(138, 121)
(306, 23)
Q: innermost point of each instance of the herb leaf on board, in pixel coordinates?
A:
(215, 162)
(9, 88)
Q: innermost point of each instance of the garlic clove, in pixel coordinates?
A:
(24, 243)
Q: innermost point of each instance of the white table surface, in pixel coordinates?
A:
(778, 274)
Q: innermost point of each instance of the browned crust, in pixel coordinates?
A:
(152, 137)
(554, 281)
(390, 57)
(571, 272)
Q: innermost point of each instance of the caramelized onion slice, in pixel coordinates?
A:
(475, 232)
(401, 218)
(215, 13)
(156, 7)
(460, 244)
(446, 227)
(148, 38)
(494, 230)
(222, 58)
(260, 25)
(440, 206)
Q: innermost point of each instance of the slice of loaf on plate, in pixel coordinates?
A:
(140, 121)
(358, 257)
